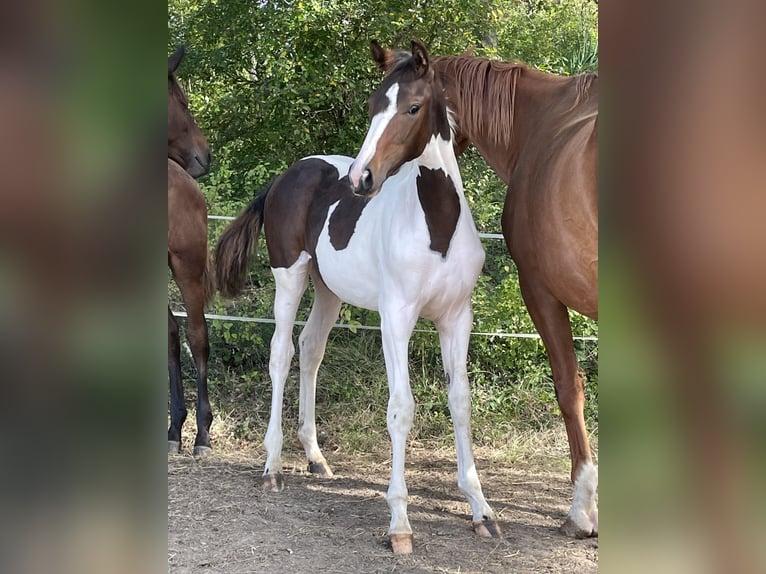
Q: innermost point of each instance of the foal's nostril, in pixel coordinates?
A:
(366, 180)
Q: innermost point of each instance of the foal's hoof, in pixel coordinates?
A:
(401, 543)
(487, 529)
(273, 482)
(174, 447)
(202, 451)
(320, 467)
(582, 528)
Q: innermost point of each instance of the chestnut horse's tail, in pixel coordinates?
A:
(236, 245)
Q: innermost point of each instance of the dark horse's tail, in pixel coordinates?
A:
(236, 245)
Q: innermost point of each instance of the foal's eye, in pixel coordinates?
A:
(415, 108)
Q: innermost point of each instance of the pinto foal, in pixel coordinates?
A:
(389, 231)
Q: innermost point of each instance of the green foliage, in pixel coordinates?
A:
(275, 80)
(558, 37)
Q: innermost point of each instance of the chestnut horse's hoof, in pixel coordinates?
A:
(487, 529)
(584, 528)
(401, 543)
(273, 482)
(321, 468)
(202, 451)
(174, 447)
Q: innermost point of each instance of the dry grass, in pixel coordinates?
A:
(545, 449)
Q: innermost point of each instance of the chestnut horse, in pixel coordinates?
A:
(389, 231)
(539, 133)
(188, 258)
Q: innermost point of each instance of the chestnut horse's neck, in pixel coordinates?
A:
(501, 106)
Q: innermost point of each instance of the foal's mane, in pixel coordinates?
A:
(487, 99)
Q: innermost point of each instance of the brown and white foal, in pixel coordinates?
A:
(389, 231)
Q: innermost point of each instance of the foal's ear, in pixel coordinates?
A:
(381, 56)
(175, 59)
(420, 56)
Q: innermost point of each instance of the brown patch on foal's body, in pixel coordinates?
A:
(306, 192)
(343, 220)
(441, 206)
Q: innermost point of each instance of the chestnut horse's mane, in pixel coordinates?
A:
(488, 96)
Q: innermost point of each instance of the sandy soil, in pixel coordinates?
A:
(220, 520)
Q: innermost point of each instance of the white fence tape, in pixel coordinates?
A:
(369, 327)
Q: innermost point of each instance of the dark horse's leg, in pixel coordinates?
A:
(177, 406)
(196, 330)
(193, 293)
(552, 321)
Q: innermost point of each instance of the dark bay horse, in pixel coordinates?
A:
(539, 133)
(389, 231)
(188, 258)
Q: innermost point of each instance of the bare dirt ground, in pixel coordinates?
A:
(220, 520)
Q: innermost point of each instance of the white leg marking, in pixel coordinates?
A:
(377, 127)
(584, 511)
(454, 335)
(396, 327)
(311, 345)
(290, 282)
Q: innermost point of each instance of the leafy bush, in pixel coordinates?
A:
(273, 81)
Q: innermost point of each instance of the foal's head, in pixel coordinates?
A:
(187, 145)
(406, 110)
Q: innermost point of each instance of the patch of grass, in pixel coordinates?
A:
(508, 405)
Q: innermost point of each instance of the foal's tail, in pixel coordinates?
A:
(236, 245)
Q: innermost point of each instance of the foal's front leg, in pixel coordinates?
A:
(454, 334)
(396, 326)
(291, 282)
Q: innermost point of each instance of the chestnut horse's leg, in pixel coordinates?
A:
(454, 334)
(311, 344)
(291, 282)
(193, 293)
(177, 407)
(397, 320)
(552, 321)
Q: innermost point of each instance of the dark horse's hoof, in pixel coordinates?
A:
(273, 482)
(202, 451)
(321, 468)
(174, 447)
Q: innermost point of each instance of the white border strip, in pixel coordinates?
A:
(368, 327)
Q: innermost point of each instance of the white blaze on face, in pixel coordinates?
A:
(377, 127)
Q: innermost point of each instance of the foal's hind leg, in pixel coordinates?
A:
(552, 321)
(193, 293)
(291, 282)
(177, 407)
(311, 344)
(454, 333)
